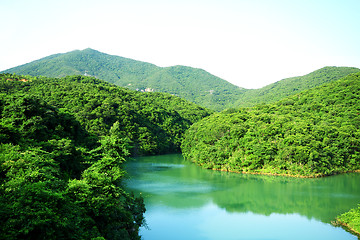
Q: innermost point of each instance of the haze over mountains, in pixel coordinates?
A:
(195, 85)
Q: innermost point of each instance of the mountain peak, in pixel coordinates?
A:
(90, 50)
(193, 84)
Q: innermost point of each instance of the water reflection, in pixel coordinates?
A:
(169, 182)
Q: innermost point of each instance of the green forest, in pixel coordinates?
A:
(63, 143)
(313, 133)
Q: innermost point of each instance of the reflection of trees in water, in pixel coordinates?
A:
(322, 199)
(169, 180)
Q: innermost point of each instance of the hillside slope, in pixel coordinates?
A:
(195, 85)
(151, 123)
(312, 133)
(290, 86)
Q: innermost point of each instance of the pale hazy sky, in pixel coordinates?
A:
(250, 43)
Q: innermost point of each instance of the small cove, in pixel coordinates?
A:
(184, 201)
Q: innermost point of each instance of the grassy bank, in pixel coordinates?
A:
(350, 220)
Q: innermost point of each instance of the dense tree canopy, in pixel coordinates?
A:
(53, 185)
(312, 133)
(151, 123)
(62, 146)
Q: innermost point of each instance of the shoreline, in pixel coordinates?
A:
(338, 223)
(284, 174)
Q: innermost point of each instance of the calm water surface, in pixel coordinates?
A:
(184, 201)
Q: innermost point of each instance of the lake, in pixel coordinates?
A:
(184, 201)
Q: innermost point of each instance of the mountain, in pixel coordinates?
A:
(290, 86)
(195, 85)
(312, 133)
(192, 84)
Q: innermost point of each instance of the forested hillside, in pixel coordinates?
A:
(58, 182)
(62, 145)
(195, 85)
(313, 133)
(290, 86)
(152, 123)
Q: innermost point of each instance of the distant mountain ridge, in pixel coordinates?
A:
(192, 84)
(290, 86)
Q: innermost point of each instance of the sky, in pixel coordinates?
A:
(250, 43)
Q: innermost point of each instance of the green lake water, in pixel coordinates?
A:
(184, 201)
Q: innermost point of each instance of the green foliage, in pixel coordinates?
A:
(313, 133)
(62, 145)
(351, 220)
(52, 185)
(290, 86)
(32, 198)
(149, 123)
